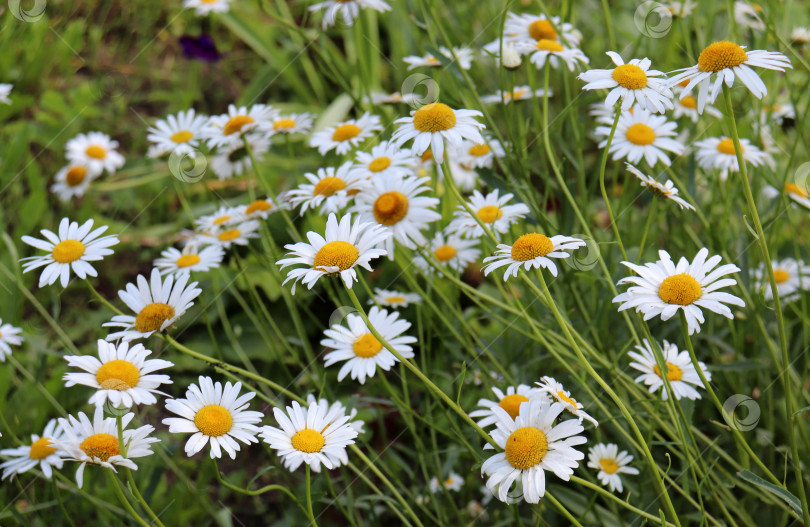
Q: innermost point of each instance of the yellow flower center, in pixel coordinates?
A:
(379, 164)
(284, 124)
(187, 260)
(517, 94)
(549, 45)
(102, 446)
(570, 400)
(726, 146)
(530, 246)
(445, 253)
(366, 346)
(434, 117)
(152, 317)
(213, 420)
(542, 30)
(674, 373)
(780, 276)
(307, 440)
(721, 55)
(489, 213)
(338, 254)
(526, 447)
(390, 207)
(259, 205)
(96, 152)
(689, 102)
(395, 299)
(630, 76)
(229, 235)
(118, 375)
(640, 134)
(68, 251)
(609, 465)
(41, 448)
(183, 136)
(75, 176)
(511, 403)
(328, 186)
(427, 155)
(221, 219)
(345, 132)
(235, 124)
(479, 150)
(680, 289)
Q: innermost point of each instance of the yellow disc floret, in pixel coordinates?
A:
(307, 440)
(549, 45)
(345, 132)
(235, 124)
(479, 150)
(489, 213)
(338, 254)
(530, 246)
(542, 30)
(75, 175)
(328, 186)
(68, 251)
(726, 146)
(445, 253)
(434, 117)
(41, 448)
(258, 206)
(680, 289)
(183, 136)
(674, 372)
(118, 375)
(526, 447)
(630, 76)
(101, 446)
(721, 55)
(511, 403)
(187, 260)
(213, 420)
(390, 207)
(366, 346)
(152, 317)
(780, 276)
(229, 235)
(284, 124)
(379, 164)
(96, 152)
(640, 134)
(609, 465)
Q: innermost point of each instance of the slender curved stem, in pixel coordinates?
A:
(138, 496)
(613, 497)
(102, 299)
(116, 485)
(313, 523)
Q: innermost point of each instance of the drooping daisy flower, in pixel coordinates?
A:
(180, 134)
(452, 482)
(532, 445)
(72, 248)
(607, 459)
(433, 124)
(41, 453)
(222, 217)
(642, 135)
(345, 135)
(96, 442)
(239, 234)
(478, 155)
(349, 9)
(451, 252)
(204, 7)
(384, 161)
(392, 98)
(726, 60)
(508, 56)
(791, 277)
(633, 83)
(510, 401)
(554, 53)
(95, 150)
(191, 258)
(307, 435)
(748, 16)
(519, 93)
(531, 251)
(73, 180)
(396, 205)
(9, 336)
(666, 190)
(687, 107)
(361, 350)
(294, 123)
(157, 304)
(5, 91)
(233, 158)
(336, 411)
(228, 128)
(464, 56)
(345, 246)
(493, 212)
(395, 299)
(330, 189)
(216, 414)
(680, 371)
(718, 153)
(662, 288)
(264, 207)
(563, 396)
(120, 374)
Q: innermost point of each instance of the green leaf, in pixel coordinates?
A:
(791, 500)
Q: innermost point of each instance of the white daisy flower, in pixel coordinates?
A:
(96, 442)
(120, 374)
(662, 288)
(233, 159)
(519, 93)
(681, 9)
(798, 194)
(687, 107)
(294, 123)
(395, 299)
(228, 128)
(478, 155)
(191, 258)
(748, 16)
(5, 91)
(72, 248)
(330, 188)
(718, 153)
(345, 246)
(563, 396)
(309, 435)
(361, 350)
(464, 175)
(492, 210)
(791, 277)
(222, 217)
(508, 56)
(464, 56)
(41, 453)
(777, 113)
(216, 414)
(179, 133)
(509, 401)
(239, 234)
(157, 304)
(633, 83)
(204, 7)
(554, 53)
(666, 190)
(518, 28)
(452, 482)
(433, 124)
(350, 9)
(264, 207)
(532, 445)
(680, 371)
(73, 180)
(379, 98)
(727, 60)
(384, 161)
(345, 135)
(95, 150)
(451, 252)
(641, 134)
(799, 36)
(531, 251)
(607, 459)
(9, 336)
(337, 411)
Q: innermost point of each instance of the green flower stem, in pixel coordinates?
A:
(311, 514)
(58, 494)
(102, 299)
(611, 496)
(133, 487)
(257, 492)
(602, 170)
(562, 509)
(116, 485)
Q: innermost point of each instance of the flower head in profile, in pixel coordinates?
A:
(41, 453)
(554, 53)
(464, 57)
(665, 190)
(791, 277)
(344, 136)
(451, 252)
(433, 124)
(509, 401)
(559, 394)
(394, 299)
(385, 160)
(528, 27)
(180, 134)
(9, 336)
(633, 83)
(493, 210)
(680, 372)
(531, 251)
(349, 9)
(294, 123)
(452, 482)
(192, 258)
(95, 150)
(5, 91)
(205, 7)
(330, 189)
(262, 208)
(642, 135)
(610, 463)
(73, 180)
(228, 129)
(718, 153)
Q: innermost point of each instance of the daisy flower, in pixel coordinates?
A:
(350, 9)
(233, 159)
(798, 194)
(330, 189)
(663, 288)
(791, 277)
(361, 350)
(72, 248)
(493, 212)
(465, 177)
(519, 93)
(452, 482)
(393, 98)
(532, 445)
(633, 83)
(727, 60)
(531, 251)
(508, 56)
(191, 258)
(95, 150)
(433, 124)
(41, 453)
(294, 123)
(263, 208)
(239, 234)
(179, 133)
(509, 401)
(216, 414)
(96, 442)
(5, 91)
(778, 113)
(395, 299)
(384, 161)
(345, 135)
(451, 252)
(524, 27)
(666, 190)
(607, 459)
(73, 180)
(718, 153)
(464, 56)
(228, 128)
(345, 246)
(337, 411)
(681, 8)
(204, 7)
(223, 216)
(747, 16)
(554, 53)
(680, 371)
(478, 155)
(800, 36)
(642, 135)
(9, 336)
(157, 304)
(687, 107)
(563, 396)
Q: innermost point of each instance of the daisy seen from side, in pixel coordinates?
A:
(41, 453)
(492, 210)
(665, 190)
(633, 82)
(394, 299)
(559, 394)
(294, 123)
(329, 189)
(344, 136)
(531, 251)
(96, 150)
(680, 372)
